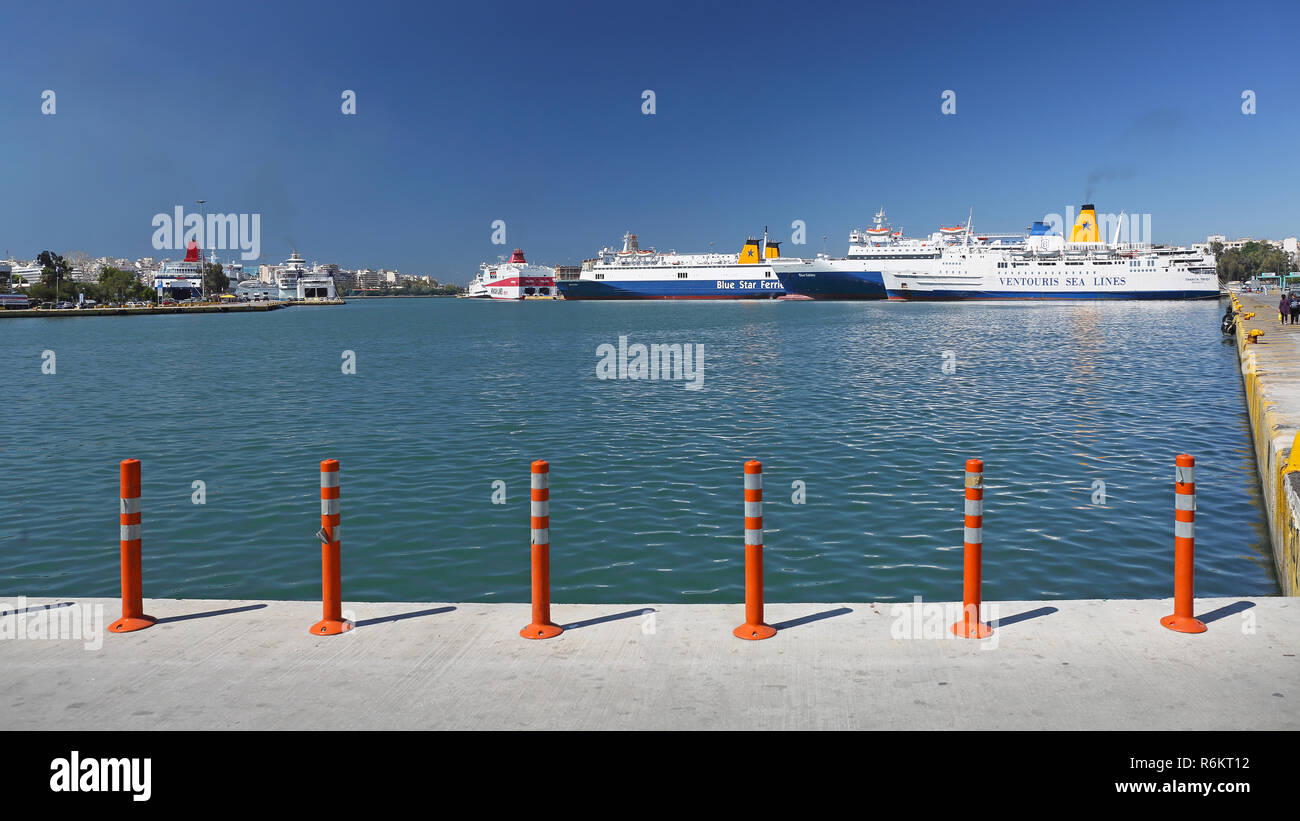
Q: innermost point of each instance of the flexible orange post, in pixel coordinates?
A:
(541, 626)
(332, 622)
(1182, 619)
(970, 626)
(754, 627)
(133, 617)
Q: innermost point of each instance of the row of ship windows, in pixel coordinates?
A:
(1132, 263)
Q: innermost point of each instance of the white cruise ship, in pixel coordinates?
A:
(1048, 267)
(644, 273)
(511, 280)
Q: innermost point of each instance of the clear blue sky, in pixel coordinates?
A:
(531, 113)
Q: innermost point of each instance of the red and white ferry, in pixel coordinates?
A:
(516, 279)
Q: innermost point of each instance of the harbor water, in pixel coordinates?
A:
(863, 415)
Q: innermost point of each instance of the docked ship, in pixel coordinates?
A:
(295, 281)
(514, 279)
(860, 275)
(634, 272)
(1049, 267)
(182, 279)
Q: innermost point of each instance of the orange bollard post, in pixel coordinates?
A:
(332, 622)
(541, 626)
(1182, 619)
(133, 616)
(754, 627)
(970, 626)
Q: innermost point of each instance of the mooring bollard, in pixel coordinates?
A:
(133, 617)
(970, 626)
(754, 628)
(541, 626)
(1182, 619)
(332, 622)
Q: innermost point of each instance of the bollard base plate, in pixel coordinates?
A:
(971, 630)
(545, 630)
(330, 627)
(1184, 624)
(129, 624)
(754, 632)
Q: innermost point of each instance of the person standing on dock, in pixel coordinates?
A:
(1283, 307)
(1295, 307)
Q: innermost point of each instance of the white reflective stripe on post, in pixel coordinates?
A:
(329, 478)
(1184, 501)
(1184, 476)
(542, 508)
(974, 535)
(542, 535)
(541, 480)
(130, 506)
(974, 507)
(130, 533)
(334, 532)
(753, 481)
(1184, 530)
(329, 507)
(753, 510)
(753, 536)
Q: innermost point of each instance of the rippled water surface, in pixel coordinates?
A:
(450, 395)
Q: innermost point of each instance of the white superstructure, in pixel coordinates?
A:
(514, 279)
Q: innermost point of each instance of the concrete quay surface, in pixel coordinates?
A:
(1073, 665)
(1270, 372)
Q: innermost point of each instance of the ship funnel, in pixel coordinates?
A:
(517, 256)
(1085, 227)
(750, 253)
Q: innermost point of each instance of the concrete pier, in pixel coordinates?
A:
(1270, 371)
(1050, 665)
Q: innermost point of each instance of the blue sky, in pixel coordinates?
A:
(531, 113)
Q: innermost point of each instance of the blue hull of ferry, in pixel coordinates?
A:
(833, 284)
(671, 289)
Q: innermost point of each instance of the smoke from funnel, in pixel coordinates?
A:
(1107, 174)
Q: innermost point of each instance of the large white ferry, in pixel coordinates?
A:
(295, 280)
(515, 279)
(872, 251)
(182, 279)
(1048, 267)
(644, 273)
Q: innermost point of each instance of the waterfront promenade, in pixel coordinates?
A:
(1050, 665)
(1270, 372)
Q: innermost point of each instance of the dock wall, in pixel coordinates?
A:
(1270, 372)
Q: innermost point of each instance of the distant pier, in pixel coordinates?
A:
(207, 308)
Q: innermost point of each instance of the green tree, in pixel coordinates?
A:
(214, 278)
(116, 285)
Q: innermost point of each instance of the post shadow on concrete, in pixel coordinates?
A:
(1025, 616)
(826, 614)
(32, 608)
(1225, 611)
(207, 613)
(414, 614)
(628, 614)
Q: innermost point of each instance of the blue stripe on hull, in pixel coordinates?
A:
(834, 284)
(922, 296)
(671, 289)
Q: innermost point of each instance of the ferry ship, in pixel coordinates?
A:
(860, 275)
(183, 279)
(1048, 267)
(515, 279)
(295, 281)
(644, 273)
